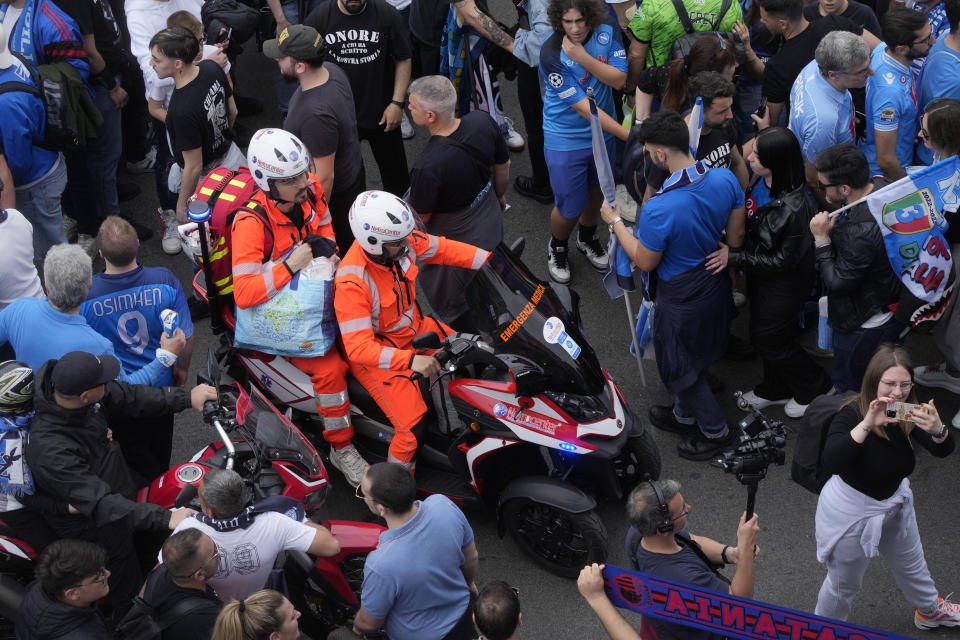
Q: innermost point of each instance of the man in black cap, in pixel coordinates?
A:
(322, 115)
(75, 462)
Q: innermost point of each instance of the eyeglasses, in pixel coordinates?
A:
(686, 510)
(904, 386)
(101, 578)
(216, 552)
(823, 185)
(359, 492)
(923, 133)
(293, 180)
(930, 38)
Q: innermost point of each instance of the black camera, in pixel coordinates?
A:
(762, 442)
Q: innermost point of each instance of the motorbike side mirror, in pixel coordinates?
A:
(427, 341)
(186, 495)
(517, 246)
(213, 369)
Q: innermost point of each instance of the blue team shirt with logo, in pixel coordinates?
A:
(940, 79)
(820, 116)
(125, 308)
(891, 106)
(567, 82)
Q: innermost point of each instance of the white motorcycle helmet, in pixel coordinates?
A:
(378, 217)
(275, 154)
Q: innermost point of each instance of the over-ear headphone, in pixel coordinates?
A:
(666, 522)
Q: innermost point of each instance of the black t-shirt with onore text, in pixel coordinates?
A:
(366, 47)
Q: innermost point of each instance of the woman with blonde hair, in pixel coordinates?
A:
(866, 508)
(264, 615)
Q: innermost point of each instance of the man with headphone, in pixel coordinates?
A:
(659, 544)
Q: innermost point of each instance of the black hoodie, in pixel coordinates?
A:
(44, 618)
(74, 462)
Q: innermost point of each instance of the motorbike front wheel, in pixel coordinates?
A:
(559, 541)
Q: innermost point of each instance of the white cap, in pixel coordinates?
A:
(6, 59)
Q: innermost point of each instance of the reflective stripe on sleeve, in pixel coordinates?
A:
(386, 354)
(358, 324)
(479, 258)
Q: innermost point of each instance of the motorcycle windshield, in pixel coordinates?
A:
(524, 317)
(281, 440)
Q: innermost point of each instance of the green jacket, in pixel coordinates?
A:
(78, 97)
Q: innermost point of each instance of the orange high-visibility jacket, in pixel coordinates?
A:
(376, 305)
(258, 277)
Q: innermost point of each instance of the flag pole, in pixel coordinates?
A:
(608, 187)
(633, 334)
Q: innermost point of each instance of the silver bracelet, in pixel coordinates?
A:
(614, 222)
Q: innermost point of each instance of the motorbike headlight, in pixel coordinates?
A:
(580, 408)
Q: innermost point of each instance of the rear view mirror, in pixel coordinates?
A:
(427, 341)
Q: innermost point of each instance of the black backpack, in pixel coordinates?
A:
(143, 623)
(61, 132)
(681, 46)
(806, 469)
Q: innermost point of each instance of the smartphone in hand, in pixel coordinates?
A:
(900, 410)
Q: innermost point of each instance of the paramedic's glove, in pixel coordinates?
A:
(320, 246)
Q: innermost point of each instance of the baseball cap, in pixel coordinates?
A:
(297, 41)
(79, 371)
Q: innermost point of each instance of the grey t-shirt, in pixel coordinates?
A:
(325, 120)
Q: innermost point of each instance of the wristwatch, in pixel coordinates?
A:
(614, 222)
(399, 103)
(942, 433)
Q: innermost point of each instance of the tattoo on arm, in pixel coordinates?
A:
(493, 31)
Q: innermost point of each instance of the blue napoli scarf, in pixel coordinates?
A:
(23, 31)
(15, 477)
(684, 177)
(289, 507)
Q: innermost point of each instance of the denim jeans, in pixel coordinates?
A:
(852, 352)
(92, 171)
(697, 402)
(291, 10)
(104, 154)
(40, 204)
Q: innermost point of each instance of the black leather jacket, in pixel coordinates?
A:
(73, 462)
(778, 243)
(855, 269)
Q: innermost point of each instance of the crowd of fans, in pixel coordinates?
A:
(805, 108)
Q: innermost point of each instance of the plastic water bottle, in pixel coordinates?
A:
(170, 320)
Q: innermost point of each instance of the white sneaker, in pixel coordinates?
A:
(760, 403)
(69, 228)
(168, 230)
(88, 243)
(350, 463)
(935, 375)
(406, 127)
(794, 409)
(947, 614)
(595, 251)
(514, 140)
(956, 420)
(628, 206)
(146, 165)
(557, 263)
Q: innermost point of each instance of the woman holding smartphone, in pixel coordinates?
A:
(866, 508)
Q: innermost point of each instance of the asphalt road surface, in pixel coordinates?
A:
(788, 573)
